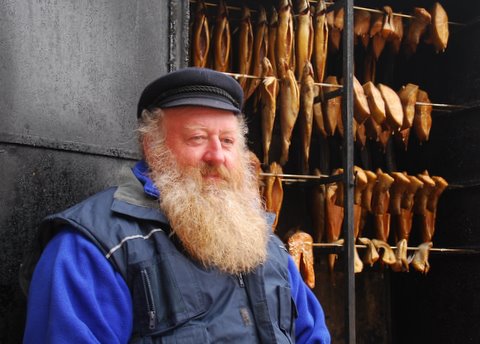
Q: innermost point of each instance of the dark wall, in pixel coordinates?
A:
(443, 306)
(70, 74)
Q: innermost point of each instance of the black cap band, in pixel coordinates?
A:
(187, 91)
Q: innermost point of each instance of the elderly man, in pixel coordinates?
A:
(181, 251)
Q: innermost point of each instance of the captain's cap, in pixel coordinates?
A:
(192, 86)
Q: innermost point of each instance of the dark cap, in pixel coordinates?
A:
(192, 86)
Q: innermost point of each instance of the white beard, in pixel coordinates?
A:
(220, 223)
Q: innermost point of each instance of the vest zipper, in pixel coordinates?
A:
(240, 280)
(147, 288)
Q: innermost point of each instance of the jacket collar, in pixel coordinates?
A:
(136, 197)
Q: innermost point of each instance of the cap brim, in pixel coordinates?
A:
(205, 102)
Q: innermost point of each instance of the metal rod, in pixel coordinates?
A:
(410, 248)
(463, 185)
(448, 106)
(347, 163)
(248, 76)
(321, 179)
(299, 176)
(237, 75)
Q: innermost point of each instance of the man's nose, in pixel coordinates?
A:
(214, 154)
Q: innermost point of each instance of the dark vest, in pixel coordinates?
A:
(174, 299)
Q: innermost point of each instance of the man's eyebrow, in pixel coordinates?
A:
(206, 128)
(195, 127)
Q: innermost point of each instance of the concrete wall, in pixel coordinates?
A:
(71, 73)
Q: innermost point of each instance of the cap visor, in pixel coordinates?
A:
(206, 102)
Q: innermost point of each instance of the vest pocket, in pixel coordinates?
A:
(150, 307)
(160, 303)
(288, 311)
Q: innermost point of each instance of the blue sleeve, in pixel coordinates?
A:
(76, 296)
(310, 326)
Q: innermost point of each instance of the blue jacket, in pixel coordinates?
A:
(94, 302)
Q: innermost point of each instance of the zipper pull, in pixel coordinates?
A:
(240, 281)
(151, 317)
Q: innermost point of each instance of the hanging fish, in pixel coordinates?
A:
(268, 99)
(274, 192)
(375, 102)
(422, 121)
(260, 48)
(439, 27)
(395, 39)
(289, 108)
(361, 109)
(404, 226)
(304, 37)
(334, 219)
(285, 38)
(393, 106)
(417, 28)
(361, 136)
(380, 203)
(408, 97)
(320, 40)
(382, 29)
(361, 26)
(272, 39)
(335, 20)
(332, 108)
(425, 203)
(222, 39)
(245, 45)
(318, 112)
(307, 95)
(201, 36)
(301, 251)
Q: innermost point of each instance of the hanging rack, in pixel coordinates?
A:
(329, 179)
(235, 8)
(330, 3)
(437, 106)
(303, 178)
(432, 249)
(398, 14)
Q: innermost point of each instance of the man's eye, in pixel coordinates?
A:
(197, 139)
(228, 141)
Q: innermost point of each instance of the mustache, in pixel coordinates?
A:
(222, 172)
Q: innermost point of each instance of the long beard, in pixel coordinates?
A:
(220, 223)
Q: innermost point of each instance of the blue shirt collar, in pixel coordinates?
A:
(141, 171)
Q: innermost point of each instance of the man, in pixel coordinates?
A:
(181, 251)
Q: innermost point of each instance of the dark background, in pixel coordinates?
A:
(71, 73)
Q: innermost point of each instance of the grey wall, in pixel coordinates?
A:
(70, 76)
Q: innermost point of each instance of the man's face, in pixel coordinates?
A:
(207, 190)
(203, 136)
